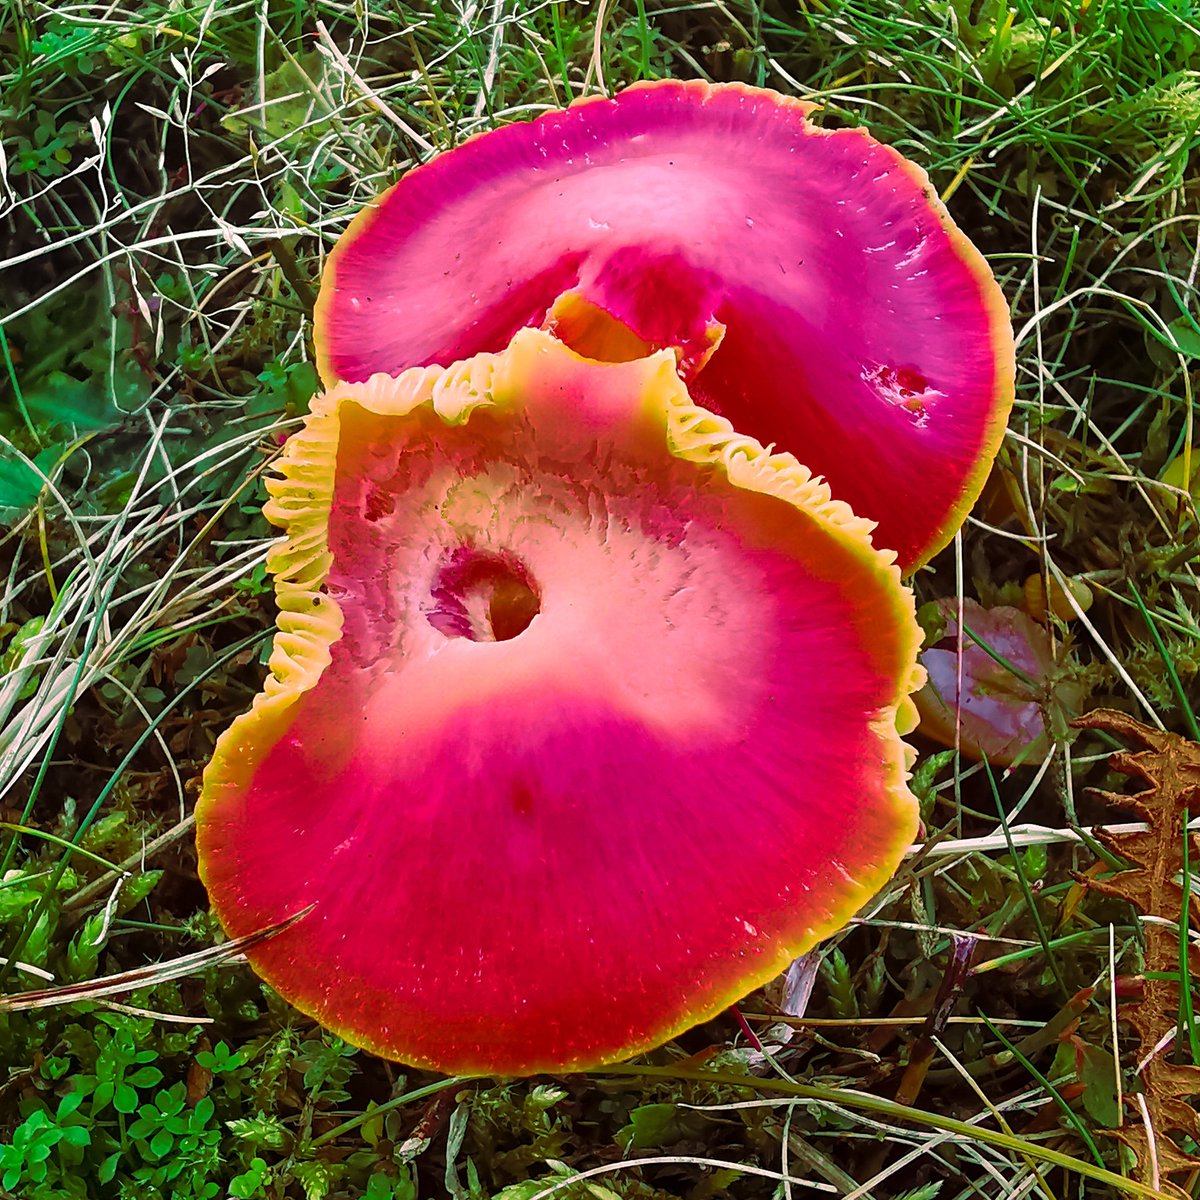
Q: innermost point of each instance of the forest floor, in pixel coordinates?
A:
(173, 175)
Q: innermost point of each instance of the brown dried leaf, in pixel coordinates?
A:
(1164, 1159)
(1170, 767)
(199, 1079)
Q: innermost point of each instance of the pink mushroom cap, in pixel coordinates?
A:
(991, 700)
(814, 289)
(583, 718)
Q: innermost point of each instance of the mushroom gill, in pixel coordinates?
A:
(584, 716)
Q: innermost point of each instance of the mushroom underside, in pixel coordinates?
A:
(607, 733)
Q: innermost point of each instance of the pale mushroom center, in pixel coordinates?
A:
(483, 596)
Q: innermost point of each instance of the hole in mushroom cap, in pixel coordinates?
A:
(482, 596)
(904, 388)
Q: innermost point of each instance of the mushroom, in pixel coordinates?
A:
(583, 719)
(813, 288)
(993, 701)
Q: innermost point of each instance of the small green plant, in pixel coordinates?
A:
(250, 1182)
(178, 1145)
(121, 1069)
(172, 177)
(44, 1148)
(47, 148)
(104, 1093)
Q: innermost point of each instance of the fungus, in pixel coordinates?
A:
(813, 288)
(998, 695)
(583, 718)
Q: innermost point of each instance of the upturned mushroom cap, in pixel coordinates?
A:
(583, 718)
(814, 289)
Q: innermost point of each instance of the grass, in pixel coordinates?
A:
(173, 174)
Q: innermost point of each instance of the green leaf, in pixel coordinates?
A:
(62, 399)
(38, 942)
(20, 484)
(247, 1185)
(289, 101)
(14, 898)
(1186, 336)
(145, 1077)
(1097, 1072)
(133, 893)
(83, 952)
(125, 1099)
(923, 782)
(544, 1097)
(130, 387)
(649, 1125)
(260, 1130)
(220, 1058)
(315, 1177)
(285, 388)
(171, 1101)
(54, 1068)
(108, 1168)
(926, 1191)
(384, 1187)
